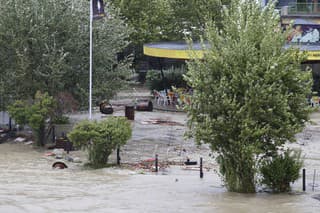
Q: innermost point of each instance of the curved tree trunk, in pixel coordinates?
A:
(41, 135)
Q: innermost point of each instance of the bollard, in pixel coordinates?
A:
(314, 179)
(68, 146)
(53, 134)
(118, 156)
(304, 180)
(10, 124)
(201, 170)
(156, 163)
(129, 112)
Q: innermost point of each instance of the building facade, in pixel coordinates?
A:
(303, 19)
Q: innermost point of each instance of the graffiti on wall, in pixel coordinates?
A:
(303, 30)
(305, 34)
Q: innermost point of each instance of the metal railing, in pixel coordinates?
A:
(304, 8)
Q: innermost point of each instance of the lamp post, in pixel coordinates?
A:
(90, 61)
(97, 12)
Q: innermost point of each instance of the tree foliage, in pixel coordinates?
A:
(101, 138)
(172, 78)
(166, 20)
(150, 19)
(249, 92)
(159, 20)
(36, 115)
(44, 45)
(191, 16)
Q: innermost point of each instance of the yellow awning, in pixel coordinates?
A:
(182, 50)
(175, 50)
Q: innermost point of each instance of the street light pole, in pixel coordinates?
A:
(90, 61)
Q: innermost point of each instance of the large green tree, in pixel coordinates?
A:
(167, 20)
(44, 45)
(150, 19)
(163, 20)
(190, 17)
(249, 92)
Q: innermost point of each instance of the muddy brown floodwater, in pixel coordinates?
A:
(29, 184)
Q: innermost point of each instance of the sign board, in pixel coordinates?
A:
(313, 55)
(98, 9)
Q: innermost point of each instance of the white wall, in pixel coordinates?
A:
(4, 118)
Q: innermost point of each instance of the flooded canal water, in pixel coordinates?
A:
(29, 184)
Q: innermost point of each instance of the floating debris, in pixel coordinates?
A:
(148, 164)
(162, 122)
(59, 165)
(317, 197)
(19, 139)
(28, 143)
(49, 154)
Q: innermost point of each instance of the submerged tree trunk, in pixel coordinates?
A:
(41, 135)
(238, 171)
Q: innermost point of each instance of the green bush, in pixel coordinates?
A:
(101, 138)
(172, 77)
(61, 120)
(280, 170)
(36, 115)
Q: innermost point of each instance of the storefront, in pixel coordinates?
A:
(305, 35)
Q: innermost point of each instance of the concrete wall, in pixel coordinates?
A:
(4, 118)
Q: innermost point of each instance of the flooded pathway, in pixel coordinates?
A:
(29, 184)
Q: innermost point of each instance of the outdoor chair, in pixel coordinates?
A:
(156, 95)
(171, 96)
(163, 98)
(315, 101)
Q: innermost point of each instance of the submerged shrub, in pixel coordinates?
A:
(101, 138)
(280, 170)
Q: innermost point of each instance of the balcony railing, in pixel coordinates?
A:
(303, 9)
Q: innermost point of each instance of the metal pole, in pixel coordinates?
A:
(10, 124)
(156, 163)
(314, 179)
(53, 134)
(90, 71)
(201, 169)
(118, 155)
(68, 146)
(304, 180)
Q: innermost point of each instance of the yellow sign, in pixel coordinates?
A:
(313, 55)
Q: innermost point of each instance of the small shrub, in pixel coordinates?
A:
(61, 120)
(280, 170)
(101, 138)
(36, 115)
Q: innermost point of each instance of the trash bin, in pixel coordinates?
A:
(129, 112)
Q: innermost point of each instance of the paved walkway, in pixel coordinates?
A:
(129, 97)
